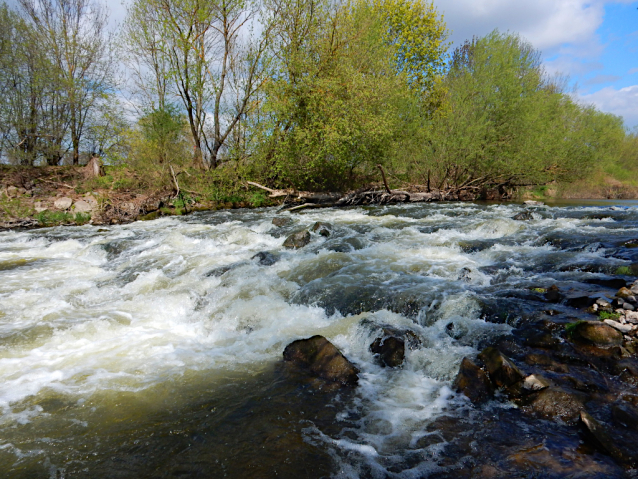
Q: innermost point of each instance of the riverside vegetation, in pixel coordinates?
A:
(307, 95)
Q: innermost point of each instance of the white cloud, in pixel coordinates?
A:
(622, 102)
(548, 24)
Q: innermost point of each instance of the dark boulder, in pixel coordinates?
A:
(501, 369)
(473, 382)
(297, 240)
(281, 221)
(596, 333)
(321, 228)
(553, 294)
(321, 358)
(265, 258)
(389, 351)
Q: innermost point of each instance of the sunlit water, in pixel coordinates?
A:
(153, 349)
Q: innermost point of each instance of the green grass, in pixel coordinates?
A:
(51, 218)
(607, 315)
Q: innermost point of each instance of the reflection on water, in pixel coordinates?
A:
(153, 349)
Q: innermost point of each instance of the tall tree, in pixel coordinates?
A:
(74, 36)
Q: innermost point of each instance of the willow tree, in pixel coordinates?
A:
(504, 121)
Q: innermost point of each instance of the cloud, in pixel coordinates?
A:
(632, 71)
(598, 79)
(547, 24)
(622, 102)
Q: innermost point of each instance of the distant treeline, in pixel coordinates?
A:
(305, 94)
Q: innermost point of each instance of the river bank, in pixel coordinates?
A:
(50, 196)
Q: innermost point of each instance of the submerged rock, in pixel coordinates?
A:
(556, 403)
(552, 295)
(281, 221)
(297, 240)
(322, 359)
(389, 350)
(596, 333)
(523, 216)
(603, 439)
(265, 258)
(473, 382)
(502, 370)
(321, 228)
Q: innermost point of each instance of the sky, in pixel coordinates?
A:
(593, 42)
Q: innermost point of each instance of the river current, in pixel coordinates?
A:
(154, 349)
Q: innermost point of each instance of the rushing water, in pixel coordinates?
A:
(153, 349)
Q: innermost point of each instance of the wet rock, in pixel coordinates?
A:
(614, 283)
(553, 294)
(389, 351)
(281, 221)
(456, 330)
(322, 359)
(473, 382)
(535, 382)
(297, 240)
(523, 216)
(596, 333)
(628, 307)
(265, 258)
(150, 216)
(556, 403)
(541, 339)
(63, 203)
(580, 301)
(501, 369)
(626, 414)
(602, 438)
(603, 305)
(633, 243)
(321, 228)
(465, 275)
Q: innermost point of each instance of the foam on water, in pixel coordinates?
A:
(84, 313)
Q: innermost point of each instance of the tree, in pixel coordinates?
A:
(504, 121)
(73, 35)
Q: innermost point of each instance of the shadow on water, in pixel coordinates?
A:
(242, 427)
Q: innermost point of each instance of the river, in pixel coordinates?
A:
(154, 349)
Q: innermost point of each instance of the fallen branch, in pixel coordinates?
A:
(57, 183)
(174, 180)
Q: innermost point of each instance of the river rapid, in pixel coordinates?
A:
(154, 349)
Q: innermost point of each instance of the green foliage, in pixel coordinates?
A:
(607, 315)
(504, 120)
(417, 33)
(258, 199)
